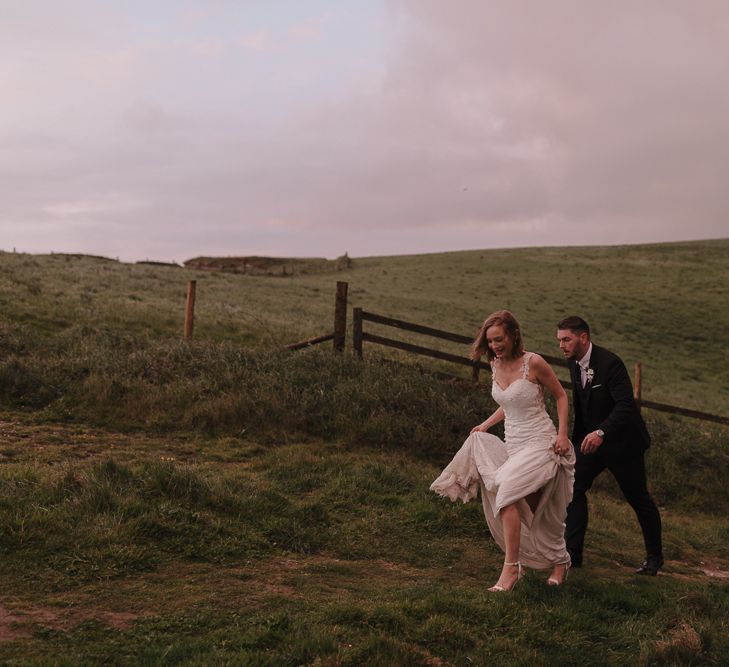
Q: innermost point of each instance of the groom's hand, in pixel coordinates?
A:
(591, 443)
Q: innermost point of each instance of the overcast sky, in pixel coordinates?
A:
(167, 129)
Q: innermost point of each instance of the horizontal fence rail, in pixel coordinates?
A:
(686, 412)
(417, 328)
(424, 351)
(310, 341)
(360, 337)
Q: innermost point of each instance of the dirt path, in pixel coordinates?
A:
(21, 440)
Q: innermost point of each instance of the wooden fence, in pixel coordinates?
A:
(360, 337)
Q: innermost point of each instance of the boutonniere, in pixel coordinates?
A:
(590, 374)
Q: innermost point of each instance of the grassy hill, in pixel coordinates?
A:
(666, 305)
(226, 502)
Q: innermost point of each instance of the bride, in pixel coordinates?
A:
(526, 482)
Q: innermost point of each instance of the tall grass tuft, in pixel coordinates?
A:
(222, 388)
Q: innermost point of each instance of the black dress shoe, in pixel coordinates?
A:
(651, 566)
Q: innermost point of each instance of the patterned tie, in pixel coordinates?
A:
(583, 372)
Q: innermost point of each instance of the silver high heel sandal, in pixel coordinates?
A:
(556, 582)
(498, 588)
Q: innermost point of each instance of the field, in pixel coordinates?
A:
(665, 305)
(226, 502)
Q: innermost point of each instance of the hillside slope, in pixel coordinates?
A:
(665, 305)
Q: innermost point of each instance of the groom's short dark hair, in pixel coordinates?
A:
(575, 324)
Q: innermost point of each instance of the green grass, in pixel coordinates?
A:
(665, 305)
(226, 502)
(219, 388)
(293, 554)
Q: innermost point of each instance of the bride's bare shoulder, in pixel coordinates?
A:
(535, 360)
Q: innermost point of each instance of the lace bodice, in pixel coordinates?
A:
(526, 418)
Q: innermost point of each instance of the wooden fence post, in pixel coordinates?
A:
(189, 310)
(475, 371)
(638, 387)
(357, 331)
(340, 316)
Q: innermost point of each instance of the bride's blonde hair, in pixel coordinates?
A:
(504, 318)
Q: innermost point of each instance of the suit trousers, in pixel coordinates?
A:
(630, 475)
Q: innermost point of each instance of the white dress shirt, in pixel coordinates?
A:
(584, 364)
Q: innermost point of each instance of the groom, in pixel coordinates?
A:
(608, 433)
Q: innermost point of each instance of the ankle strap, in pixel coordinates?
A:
(513, 564)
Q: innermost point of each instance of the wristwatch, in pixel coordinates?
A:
(601, 433)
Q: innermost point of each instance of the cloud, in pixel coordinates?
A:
(609, 114)
(310, 28)
(256, 41)
(429, 126)
(84, 209)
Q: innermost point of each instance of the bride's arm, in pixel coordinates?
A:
(544, 374)
(494, 419)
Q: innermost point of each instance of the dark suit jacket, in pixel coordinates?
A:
(607, 403)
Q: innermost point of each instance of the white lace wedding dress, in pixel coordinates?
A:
(508, 472)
